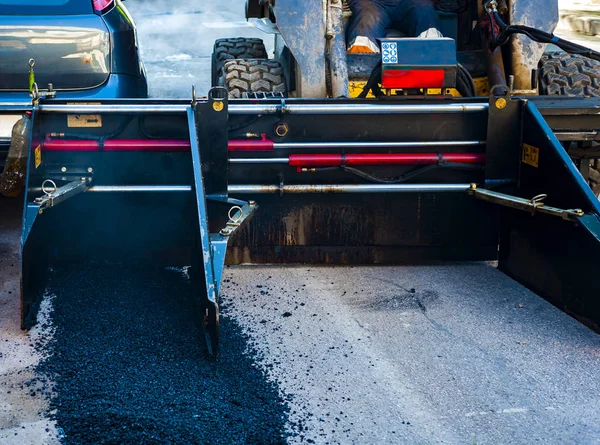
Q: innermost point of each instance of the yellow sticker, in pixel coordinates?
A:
(501, 103)
(531, 155)
(218, 105)
(84, 121)
(38, 156)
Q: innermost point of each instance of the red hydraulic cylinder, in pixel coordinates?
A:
(147, 145)
(117, 145)
(258, 145)
(335, 160)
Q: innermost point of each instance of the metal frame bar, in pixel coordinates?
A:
(533, 206)
(60, 194)
(586, 194)
(209, 274)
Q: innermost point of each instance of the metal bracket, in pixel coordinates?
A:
(54, 195)
(533, 206)
(69, 173)
(239, 218)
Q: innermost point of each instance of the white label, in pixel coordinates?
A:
(389, 52)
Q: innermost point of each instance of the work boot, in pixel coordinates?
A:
(363, 45)
(431, 33)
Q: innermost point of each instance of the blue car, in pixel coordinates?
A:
(87, 49)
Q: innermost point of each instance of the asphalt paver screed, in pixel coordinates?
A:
(129, 365)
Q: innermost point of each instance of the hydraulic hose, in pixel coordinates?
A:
(506, 31)
(464, 82)
(412, 173)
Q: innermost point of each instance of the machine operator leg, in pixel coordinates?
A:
(372, 18)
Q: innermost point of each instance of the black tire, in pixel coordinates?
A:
(236, 48)
(244, 78)
(561, 73)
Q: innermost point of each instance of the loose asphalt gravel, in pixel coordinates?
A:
(128, 364)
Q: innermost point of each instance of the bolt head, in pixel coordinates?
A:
(63, 169)
(90, 170)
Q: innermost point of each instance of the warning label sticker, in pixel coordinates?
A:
(84, 120)
(38, 156)
(531, 155)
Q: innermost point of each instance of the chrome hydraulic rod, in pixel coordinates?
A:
(140, 188)
(317, 145)
(340, 160)
(115, 109)
(347, 188)
(297, 188)
(259, 160)
(356, 108)
(366, 108)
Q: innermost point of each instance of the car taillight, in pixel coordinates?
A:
(102, 6)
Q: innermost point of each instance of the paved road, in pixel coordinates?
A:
(176, 39)
(454, 354)
(23, 413)
(468, 357)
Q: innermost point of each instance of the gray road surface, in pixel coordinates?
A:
(455, 354)
(23, 416)
(176, 40)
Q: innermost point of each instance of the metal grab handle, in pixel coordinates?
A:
(235, 219)
(46, 190)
